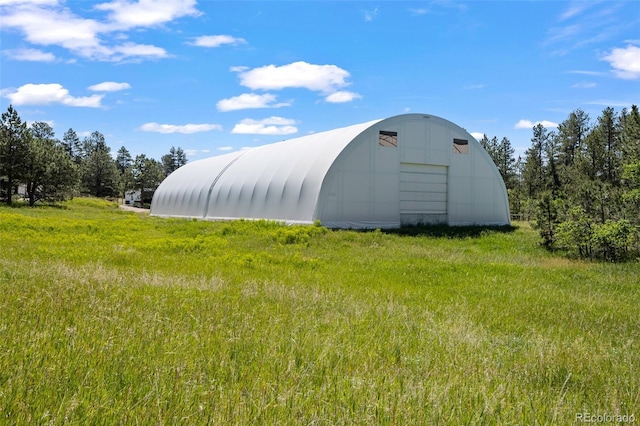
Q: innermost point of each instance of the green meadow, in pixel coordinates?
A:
(113, 317)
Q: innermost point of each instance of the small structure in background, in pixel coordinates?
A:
(132, 198)
(405, 170)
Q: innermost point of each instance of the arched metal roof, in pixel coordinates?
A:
(280, 181)
(411, 168)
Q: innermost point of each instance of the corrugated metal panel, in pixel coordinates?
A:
(346, 179)
(280, 181)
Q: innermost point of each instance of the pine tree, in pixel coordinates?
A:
(630, 135)
(73, 146)
(50, 173)
(123, 159)
(147, 175)
(571, 134)
(630, 151)
(175, 159)
(14, 150)
(99, 171)
(506, 162)
(551, 160)
(502, 155)
(533, 173)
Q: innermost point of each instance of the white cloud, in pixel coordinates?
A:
(47, 23)
(419, 11)
(48, 26)
(478, 135)
(342, 97)
(625, 62)
(322, 78)
(184, 129)
(16, 2)
(133, 50)
(585, 23)
(584, 85)
(217, 41)
(560, 34)
(45, 94)
(611, 103)
(30, 55)
(109, 86)
(267, 126)
(593, 73)
(225, 148)
(474, 87)
(528, 124)
(248, 101)
(370, 15)
(126, 14)
(575, 8)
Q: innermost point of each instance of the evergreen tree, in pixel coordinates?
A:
(41, 142)
(552, 164)
(596, 175)
(517, 197)
(615, 151)
(630, 135)
(62, 176)
(608, 128)
(631, 195)
(547, 217)
(593, 210)
(541, 177)
(126, 182)
(502, 155)
(42, 130)
(571, 134)
(50, 173)
(99, 171)
(147, 175)
(73, 146)
(123, 159)
(533, 174)
(175, 159)
(506, 162)
(14, 150)
(630, 160)
(491, 146)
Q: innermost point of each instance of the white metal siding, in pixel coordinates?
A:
(346, 180)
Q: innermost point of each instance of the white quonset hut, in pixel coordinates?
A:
(404, 170)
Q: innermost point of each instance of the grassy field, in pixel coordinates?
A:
(110, 317)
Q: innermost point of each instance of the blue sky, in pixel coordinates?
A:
(216, 76)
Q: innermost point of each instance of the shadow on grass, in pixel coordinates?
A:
(445, 231)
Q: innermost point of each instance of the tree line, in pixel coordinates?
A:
(579, 184)
(48, 169)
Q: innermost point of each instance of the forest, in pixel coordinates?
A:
(579, 185)
(41, 168)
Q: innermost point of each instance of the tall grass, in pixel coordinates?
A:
(112, 317)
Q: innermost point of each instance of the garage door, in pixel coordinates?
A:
(423, 193)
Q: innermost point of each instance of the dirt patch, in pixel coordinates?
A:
(133, 209)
